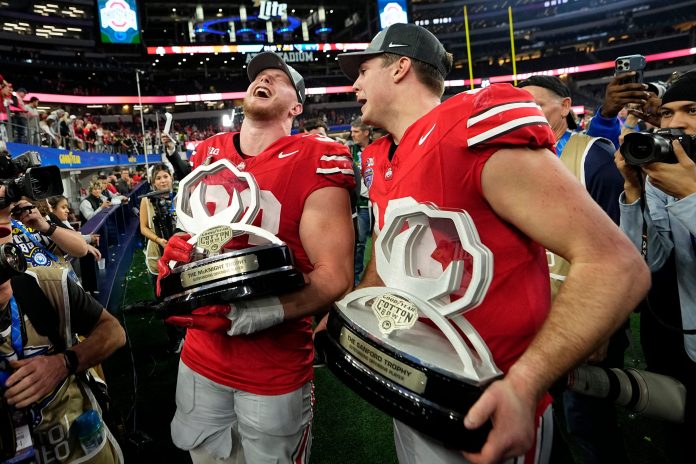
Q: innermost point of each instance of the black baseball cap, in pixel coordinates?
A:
(267, 60)
(400, 39)
(681, 89)
(555, 85)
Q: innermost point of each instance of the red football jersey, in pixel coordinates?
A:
(439, 160)
(277, 360)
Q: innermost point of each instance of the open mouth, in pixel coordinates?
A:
(5, 231)
(262, 92)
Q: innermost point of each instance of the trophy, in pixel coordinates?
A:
(425, 374)
(233, 259)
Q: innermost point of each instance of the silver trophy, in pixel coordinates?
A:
(233, 259)
(426, 374)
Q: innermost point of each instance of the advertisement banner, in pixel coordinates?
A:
(74, 159)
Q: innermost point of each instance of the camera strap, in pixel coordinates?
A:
(31, 237)
(16, 329)
(560, 145)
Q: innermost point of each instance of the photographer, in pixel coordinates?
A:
(157, 224)
(40, 366)
(30, 230)
(666, 212)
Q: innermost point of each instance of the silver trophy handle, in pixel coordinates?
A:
(396, 266)
(478, 365)
(200, 220)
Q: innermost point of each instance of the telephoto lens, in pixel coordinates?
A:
(653, 395)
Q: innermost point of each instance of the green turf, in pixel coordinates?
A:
(346, 428)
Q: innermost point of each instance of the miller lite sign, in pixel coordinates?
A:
(267, 10)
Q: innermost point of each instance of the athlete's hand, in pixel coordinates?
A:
(513, 423)
(177, 249)
(211, 318)
(239, 318)
(34, 378)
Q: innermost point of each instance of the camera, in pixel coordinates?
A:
(23, 176)
(658, 88)
(640, 148)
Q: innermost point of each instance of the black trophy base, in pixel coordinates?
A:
(438, 411)
(249, 273)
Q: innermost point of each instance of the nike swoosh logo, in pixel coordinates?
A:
(283, 155)
(393, 45)
(422, 139)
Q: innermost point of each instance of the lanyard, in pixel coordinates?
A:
(172, 205)
(31, 237)
(17, 343)
(560, 145)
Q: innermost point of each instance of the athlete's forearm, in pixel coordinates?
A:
(580, 319)
(326, 285)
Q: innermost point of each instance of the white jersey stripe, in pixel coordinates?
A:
(504, 128)
(335, 158)
(499, 109)
(335, 171)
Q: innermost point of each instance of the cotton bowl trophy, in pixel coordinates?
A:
(426, 375)
(232, 258)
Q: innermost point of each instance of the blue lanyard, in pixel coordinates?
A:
(560, 145)
(172, 205)
(33, 240)
(17, 343)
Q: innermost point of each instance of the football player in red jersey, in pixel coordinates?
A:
(489, 152)
(244, 390)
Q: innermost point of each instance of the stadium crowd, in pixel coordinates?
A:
(648, 196)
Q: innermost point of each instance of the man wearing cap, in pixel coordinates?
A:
(33, 134)
(591, 422)
(244, 393)
(489, 152)
(668, 198)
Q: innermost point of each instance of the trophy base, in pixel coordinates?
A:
(248, 273)
(421, 397)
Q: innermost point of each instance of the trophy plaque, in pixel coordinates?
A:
(424, 373)
(232, 258)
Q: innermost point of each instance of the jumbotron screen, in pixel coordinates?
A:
(391, 12)
(118, 21)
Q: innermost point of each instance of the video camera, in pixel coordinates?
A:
(23, 176)
(641, 148)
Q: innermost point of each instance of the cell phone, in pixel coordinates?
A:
(631, 63)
